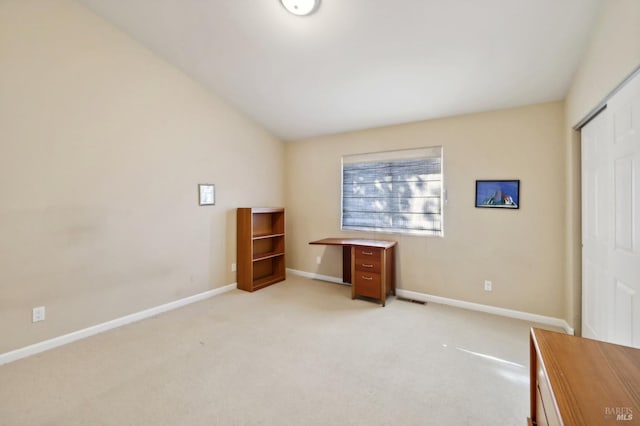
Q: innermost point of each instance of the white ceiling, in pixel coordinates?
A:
(358, 64)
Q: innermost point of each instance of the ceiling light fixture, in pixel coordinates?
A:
(301, 7)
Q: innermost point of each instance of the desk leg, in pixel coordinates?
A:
(392, 269)
(346, 264)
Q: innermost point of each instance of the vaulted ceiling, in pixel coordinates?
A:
(357, 64)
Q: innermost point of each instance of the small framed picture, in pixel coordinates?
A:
(207, 194)
(504, 194)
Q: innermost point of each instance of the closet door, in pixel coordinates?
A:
(624, 255)
(611, 220)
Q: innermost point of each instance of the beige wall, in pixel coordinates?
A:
(521, 251)
(613, 53)
(102, 146)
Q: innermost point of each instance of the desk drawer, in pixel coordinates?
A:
(366, 254)
(369, 265)
(367, 284)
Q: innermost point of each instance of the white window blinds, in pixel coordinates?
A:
(395, 191)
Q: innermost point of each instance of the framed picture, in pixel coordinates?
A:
(207, 194)
(502, 194)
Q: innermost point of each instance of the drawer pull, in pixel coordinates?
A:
(364, 265)
(367, 253)
(367, 278)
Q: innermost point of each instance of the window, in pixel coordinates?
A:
(395, 191)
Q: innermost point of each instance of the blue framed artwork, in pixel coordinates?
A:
(502, 194)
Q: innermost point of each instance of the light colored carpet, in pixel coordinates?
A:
(300, 352)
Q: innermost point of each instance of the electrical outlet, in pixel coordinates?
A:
(38, 314)
(233, 267)
(318, 259)
(487, 285)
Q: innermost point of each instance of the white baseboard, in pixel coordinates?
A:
(526, 316)
(109, 325)
(422, 297)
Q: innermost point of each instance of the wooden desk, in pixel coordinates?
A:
(368, 264)
(578, 381)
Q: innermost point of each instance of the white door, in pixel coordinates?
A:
(596, 199)
(624, 109)
(611, 220)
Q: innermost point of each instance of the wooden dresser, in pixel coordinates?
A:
(578, 381)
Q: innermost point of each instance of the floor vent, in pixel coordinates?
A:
(419, 302)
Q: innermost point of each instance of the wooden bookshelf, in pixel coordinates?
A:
(261, 249)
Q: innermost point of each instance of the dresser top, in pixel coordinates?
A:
(592, 381)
